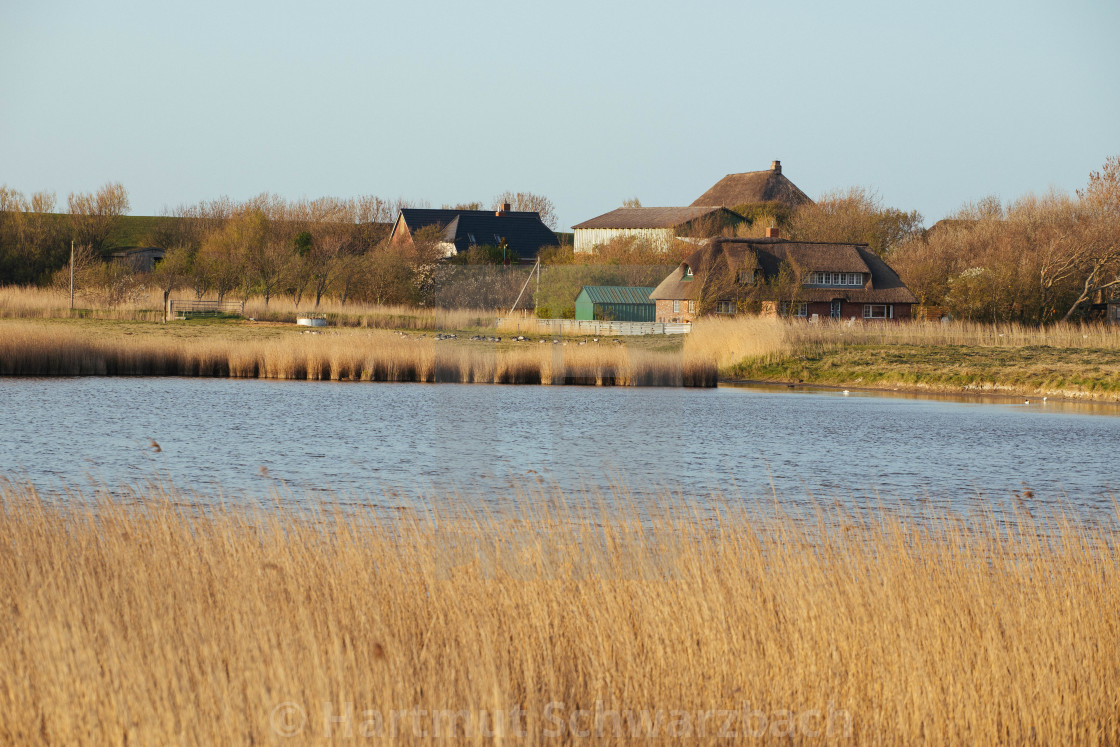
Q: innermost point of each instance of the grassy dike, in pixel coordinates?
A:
(1033, 370)
(1064, 361)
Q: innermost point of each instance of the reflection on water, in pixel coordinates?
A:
(249, 438)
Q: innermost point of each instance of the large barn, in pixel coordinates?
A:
(658, 226)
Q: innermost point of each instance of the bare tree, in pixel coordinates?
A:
(527, 201)
(172, 273)
(93, 216)
(1100, 233)
(221, 262)
(856, 216)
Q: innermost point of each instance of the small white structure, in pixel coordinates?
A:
(312, 320)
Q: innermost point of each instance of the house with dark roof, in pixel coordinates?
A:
(657, 225)
(773, 276)
(755, 188)
(522, 231)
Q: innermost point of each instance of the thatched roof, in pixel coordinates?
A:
(653, 217)
(731, 255)
(754, 187)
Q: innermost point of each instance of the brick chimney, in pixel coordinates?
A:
(503, 210)
(772, 232)
(776, 167)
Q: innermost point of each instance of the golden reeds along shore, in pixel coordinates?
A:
(46, 348)
(148, 619)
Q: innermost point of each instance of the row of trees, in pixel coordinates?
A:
(1037, 259)
(35, 240)
(309, 249)
(1034, 260)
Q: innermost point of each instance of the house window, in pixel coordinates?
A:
(878, 311)
(497, 240)
(835, 278)
(470, 238)
(691, 307)
(676, 307)
(745, 277)
(687, 273)
(797, 308)
(725, 307)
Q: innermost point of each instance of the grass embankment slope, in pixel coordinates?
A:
(1070, 361)
(148, 621)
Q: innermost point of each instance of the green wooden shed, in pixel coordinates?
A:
(616, 303)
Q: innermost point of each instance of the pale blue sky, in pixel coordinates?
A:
(590, 103)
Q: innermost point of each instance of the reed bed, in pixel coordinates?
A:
(1101, 336)
(730, 340)
(154, 621)
(17, 302)
(36, 348)
(20, 302)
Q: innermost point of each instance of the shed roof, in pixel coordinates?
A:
(650, 217)
(754, 187)
(609, 294)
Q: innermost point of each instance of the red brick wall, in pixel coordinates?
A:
(664, 312)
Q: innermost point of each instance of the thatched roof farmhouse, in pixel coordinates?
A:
(753, 188)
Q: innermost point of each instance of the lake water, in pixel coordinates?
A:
(242, 438)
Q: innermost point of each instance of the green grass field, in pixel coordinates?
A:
(1035, 369)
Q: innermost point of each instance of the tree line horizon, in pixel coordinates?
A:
(1036, 259)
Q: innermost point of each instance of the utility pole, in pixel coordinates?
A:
(71, 274)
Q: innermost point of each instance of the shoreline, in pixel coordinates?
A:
(996, 392)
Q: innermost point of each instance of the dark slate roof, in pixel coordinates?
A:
(616, 294)
(803, 256)
(754, 187)
(651, 217)
(523, 231)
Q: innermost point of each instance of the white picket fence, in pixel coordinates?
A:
(586, 327)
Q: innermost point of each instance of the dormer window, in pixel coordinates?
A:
(746, 277)
(687, 273)
(835, 278)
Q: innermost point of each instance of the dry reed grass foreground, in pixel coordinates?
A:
(151, 622)
(41, 348)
